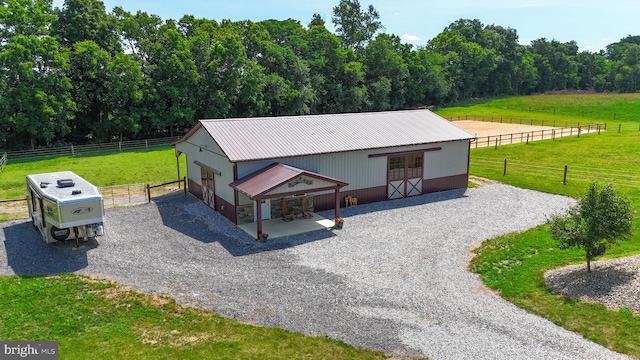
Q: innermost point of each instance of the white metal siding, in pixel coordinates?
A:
(451, 160)
(212, 156)
(361, 171)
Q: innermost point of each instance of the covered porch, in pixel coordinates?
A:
(280, 182)
(276, 228)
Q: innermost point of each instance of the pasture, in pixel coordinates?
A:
(514, 264)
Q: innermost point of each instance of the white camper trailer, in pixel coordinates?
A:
(64, 206)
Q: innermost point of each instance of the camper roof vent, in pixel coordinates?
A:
(66, 183)
(44, 184)
(76, 192)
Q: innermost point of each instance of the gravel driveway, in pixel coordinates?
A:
(393, 279)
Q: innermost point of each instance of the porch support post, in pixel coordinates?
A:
(259, 217)
(337, 208)
(178, 166)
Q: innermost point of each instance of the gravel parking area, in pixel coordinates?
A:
(393, 279)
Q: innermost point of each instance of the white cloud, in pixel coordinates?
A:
(410, 37)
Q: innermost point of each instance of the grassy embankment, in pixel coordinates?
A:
(514, 264)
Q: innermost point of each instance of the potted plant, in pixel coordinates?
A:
(262, 237)
(339, 222)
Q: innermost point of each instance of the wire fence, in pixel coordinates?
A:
(3, 161)
(113, 196)
(72, 150)
(556, 172)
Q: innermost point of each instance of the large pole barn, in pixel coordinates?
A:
(255, 169)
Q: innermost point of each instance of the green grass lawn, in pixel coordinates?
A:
(514, 264)
(99, 320)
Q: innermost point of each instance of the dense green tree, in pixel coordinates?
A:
(336, 75)
(386, 72)
(555, 61)
(468, 63)
(79, 74)
(316, 20)
(80, 20)
(601, 218)
(36, 104)
(355, 26)
(591, 71)
(426, 83)
(615, 51)
(88, 74)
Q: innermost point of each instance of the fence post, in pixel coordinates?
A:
(496, 143)
(619, 127)
(527, 138)
(184, 179)
(504, 172)
(120, 146)
(73, 152)
(579, 128)
(564, 180)
(553, 135)
(146, 143)
(148, 194)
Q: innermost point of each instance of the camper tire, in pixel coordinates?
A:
(60, 234)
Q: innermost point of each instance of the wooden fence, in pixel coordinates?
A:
(92, 148)
(527, 121)
(514, 138)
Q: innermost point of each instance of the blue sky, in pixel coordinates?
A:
(592, 24)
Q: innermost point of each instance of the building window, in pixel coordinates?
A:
(409, 165)
(396, 168)
(207, 178)
(414, 166)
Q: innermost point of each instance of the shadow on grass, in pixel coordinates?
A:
(28, 254)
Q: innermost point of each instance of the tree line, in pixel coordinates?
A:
(79, 74)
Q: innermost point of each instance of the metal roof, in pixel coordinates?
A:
(272, 176)
(262, 138)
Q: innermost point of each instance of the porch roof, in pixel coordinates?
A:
(266, 179)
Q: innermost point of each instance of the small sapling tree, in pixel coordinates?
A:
(598, 220)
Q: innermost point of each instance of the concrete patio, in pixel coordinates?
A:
(277, 228)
